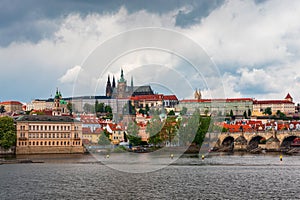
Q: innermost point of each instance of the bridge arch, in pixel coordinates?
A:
(228, 142)
(255, 141)
(287, 141)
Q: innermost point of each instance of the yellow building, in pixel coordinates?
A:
(286, 106)
(89, 136)
(37, 134)
(12, 106)
(116, 133)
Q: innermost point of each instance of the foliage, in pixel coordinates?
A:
(245, 115)
(231, 113)
(108, 109)
(132, 134)
(7, 132)
(183, 111)
(268, 111)
(70, 107)
(153, 129)
(88, 108)
(249, 113)
(2, 109)
(104, 138)
(171, 112)
(169, 129)
(99, 107)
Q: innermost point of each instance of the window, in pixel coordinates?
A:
(53, 143)
(49, 128)
(37, 128)
(53, 135)
(33, 143)
(41, 128)
(29, 143)
(30, 128)
(57, 143)
(45, 128)
(37, 143)
(42, 135)
(49, 143)
(65, 143)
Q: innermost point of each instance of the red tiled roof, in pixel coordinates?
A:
(170, 97)
(215, 100)
(288, 96)
(272, 102)
(114, 127)
(153, 97)
(11, 103)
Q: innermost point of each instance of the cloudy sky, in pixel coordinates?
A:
(252, 46)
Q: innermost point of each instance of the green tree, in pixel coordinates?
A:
(7, 132)
(171, 112)
(231, 114)
(132, 134)
(268, 111)
(103, 138)
(2, 109)
(108, 109)
(70, 107)
(249, 113)
(153, 129)
(183, 111)
(88, 108)
(169, 129)
(99, 107)
(245, 115)
(147, 109)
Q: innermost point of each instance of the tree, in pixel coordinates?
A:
(2, 109)
(132, 133)
(171, 112)
(231, 114)
(245, 115)
(268, 111)
(99, 107)
(153, 129)
(169, 129)
(249, 113)
(7, 132)
(108, 109)
(183, 111)
(103, 138)
(70, 107)
(88, 108)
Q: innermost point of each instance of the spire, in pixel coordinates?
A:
(131, 82)
(122, 80)
(114, 82)
(108, 90)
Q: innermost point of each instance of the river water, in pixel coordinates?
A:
(93, 177)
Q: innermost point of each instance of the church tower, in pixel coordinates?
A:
(108, 91)
(122, 85)
(57, 110)
(114, 83)
(197, 94)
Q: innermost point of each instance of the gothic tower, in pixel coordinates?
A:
(122, 85)
(114, 83)
(108, 91)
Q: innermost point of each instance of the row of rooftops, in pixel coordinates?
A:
(287, 100)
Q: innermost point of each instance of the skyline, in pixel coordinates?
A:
(256, 50)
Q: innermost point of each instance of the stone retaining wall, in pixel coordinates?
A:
(49, 150)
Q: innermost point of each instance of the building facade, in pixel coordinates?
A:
(286, 106)
(12, 106)
(38, 134)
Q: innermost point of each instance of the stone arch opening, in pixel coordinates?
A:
(255, 141)
(228, 143)
(286, 143)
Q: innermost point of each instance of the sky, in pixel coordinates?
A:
(224, 48)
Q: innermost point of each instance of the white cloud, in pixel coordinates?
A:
(71, 75)
(255, 46)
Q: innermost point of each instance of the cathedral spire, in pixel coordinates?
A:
(114, 82)
(108, 91)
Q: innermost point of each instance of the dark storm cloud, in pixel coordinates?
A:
(33, 20)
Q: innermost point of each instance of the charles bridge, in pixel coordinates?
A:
(254, 141)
